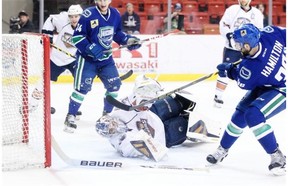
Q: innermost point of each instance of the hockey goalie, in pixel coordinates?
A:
(151, 130)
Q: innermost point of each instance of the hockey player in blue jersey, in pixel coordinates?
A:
(97, 28)
(262, 73)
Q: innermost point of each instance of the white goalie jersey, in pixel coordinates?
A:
(235, 16)
(145, 121)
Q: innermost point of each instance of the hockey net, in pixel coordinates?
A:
(25, 135)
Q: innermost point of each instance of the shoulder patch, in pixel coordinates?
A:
(268, 29)
(245, 73)
(94, 23)
(86, 13)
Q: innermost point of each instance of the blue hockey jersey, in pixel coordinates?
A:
(94, 27)
(267, 66)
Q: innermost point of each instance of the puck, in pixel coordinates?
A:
(53, 110)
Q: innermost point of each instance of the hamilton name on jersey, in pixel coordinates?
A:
(273, 59)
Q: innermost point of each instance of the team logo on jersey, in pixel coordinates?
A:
(94, 23)
(240, 21)
(67, 40)
(144, 125)
(105, 36)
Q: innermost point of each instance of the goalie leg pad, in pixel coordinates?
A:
(175, 131)
(166, 108)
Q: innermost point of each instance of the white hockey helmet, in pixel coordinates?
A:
(145, 88)
(75, 10)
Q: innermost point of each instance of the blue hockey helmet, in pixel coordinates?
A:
(246, 34)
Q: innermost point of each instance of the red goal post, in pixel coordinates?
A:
(26, 135)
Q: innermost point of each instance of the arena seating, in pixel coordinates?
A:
(200, 16)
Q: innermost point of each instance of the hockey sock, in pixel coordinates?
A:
(231, 134)
(76, 100)
(265, 135)
(220, 87)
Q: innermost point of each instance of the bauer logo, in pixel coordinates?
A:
(101, 164)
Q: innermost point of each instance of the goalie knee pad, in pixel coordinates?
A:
(166, 108)
(175, 131)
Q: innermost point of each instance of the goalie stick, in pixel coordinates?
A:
(142, 41)
(123, 106)
(115, 165)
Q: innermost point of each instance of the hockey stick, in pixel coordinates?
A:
(123, 77)
(142, 41)
(114, 165)
(61, 50)
(123, 106)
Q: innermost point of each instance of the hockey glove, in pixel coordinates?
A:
(224, 70)
(134, 42)
(94, 51)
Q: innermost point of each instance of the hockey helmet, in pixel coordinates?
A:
(75, 10)
(145, 88)
(246, 34)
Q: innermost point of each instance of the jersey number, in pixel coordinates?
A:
(79, 28)
(282, 71)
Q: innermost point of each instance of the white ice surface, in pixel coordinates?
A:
(246, 164)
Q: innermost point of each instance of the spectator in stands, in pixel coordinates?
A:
(130, 20)
(25, 25)
(262, 7)
(177, 20)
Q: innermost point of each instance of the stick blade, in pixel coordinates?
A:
(117, 103)
(127, 75)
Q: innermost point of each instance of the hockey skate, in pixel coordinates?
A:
(69, 123)
(278, 163)
(217, 156)
(78, 114)
(218, 102)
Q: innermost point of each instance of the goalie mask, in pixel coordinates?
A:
(108, 126)
(145, 88)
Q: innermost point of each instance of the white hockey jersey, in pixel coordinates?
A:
(136, 121)
(56, 22)
(64, 42)
(235, 16)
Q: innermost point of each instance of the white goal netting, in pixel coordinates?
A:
(25, 133)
